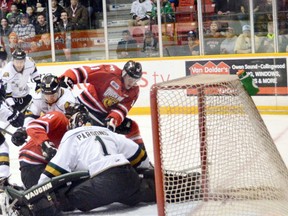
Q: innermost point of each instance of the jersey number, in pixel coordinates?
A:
(97, 138)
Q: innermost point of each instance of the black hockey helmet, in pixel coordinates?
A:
(133, 69)
(49, 84)
(19, 54)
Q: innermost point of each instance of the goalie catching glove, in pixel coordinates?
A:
(19, 137)
(48, 150)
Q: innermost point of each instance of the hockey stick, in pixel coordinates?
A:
(4, 131)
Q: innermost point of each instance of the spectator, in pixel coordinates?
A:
(264, 7)
(228, 44)
(5, 28)
(65, 24)
(3, 11)
(213, 39)
(37, 3)
(41, 26)
(21, 5)
(63, 40)
(227, 9)
(167, 12)
(150, 44)
(24, 30)
(14, 15)
(127, 47)
(31, 15)
(267, 45)
(78, 14)
(243, 42)
(12, 43)
(141, 12)
(56, 11)
(193, 43)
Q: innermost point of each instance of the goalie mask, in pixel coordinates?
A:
(72, 108)
(78, 119)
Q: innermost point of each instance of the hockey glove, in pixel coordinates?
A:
(48, 150)
(16, 119)
(19, 137)
(66, 82)
(110, 124)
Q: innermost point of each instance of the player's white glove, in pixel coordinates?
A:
(111, 124)
(48, 150)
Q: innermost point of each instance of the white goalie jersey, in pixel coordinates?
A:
(94, 149)
(17, 83)
(39, 105)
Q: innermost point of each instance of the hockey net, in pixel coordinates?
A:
(213, 153)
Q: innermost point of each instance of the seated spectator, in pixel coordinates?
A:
(31, 15)
(5, 29)
(65, 24)
(267, 44)
(14, 15)
(243, 42)
(37, 3)
(213, 39)
(150, 44)
(141, 12)
(56, 11)
(227, 8)
(11, 44)
(21, 5)
(263, 7)
(24, 30)
(193, 43)
(228, 44)
(167, 12)
(3, 11)
(127, 47)
(78, 14)
(41, 26)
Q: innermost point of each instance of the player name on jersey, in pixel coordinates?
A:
(88, 134)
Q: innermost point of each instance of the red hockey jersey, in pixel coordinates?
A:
(52, 126)
(105, 92)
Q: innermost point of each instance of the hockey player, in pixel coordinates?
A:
(16, 119)
(110, 159)
(110, 94)
(51, 97)
(45, 135)
(15, 76)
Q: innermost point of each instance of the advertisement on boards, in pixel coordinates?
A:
(269, 74)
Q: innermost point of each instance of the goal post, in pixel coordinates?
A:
(213, 153)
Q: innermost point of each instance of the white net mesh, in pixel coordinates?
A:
(217, 156)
